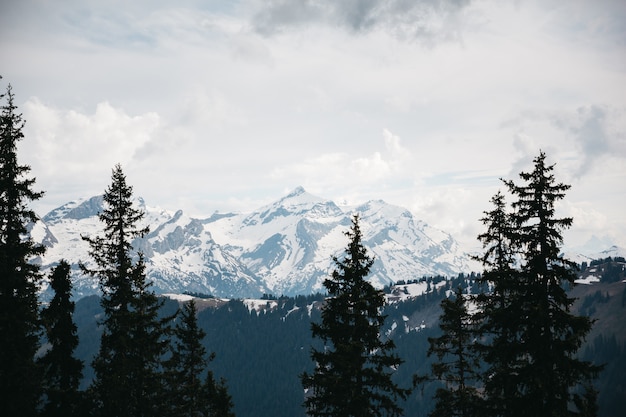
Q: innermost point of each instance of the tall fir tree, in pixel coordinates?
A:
(193, 391)
(552, 334)
(128, 367)
(220, 401)
(458, 362)
(62, 372)
(20, 327)
(353, 372)
(501, 349)
(532, 363)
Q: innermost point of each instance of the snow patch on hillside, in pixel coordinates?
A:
(181, 298)
(259, 305)
(590, 279)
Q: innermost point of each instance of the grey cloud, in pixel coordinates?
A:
(527, 149)
(596, 134)
(592, 133)
(425, 19)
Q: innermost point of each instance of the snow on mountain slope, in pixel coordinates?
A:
(282, 248)
(612, 252)
(406, 248)
(180, 255)
(279, 242)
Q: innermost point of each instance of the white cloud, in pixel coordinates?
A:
(394, 147)
(72, 149)
(333, 170)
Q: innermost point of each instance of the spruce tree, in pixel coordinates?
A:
(20, 327)
(458, 363)
(353, 371)
(551, 333)
(186, 365)
(532, 363)
(193, 391)
(128, 367)
(62, 371)
(220, 401)
(499, 312)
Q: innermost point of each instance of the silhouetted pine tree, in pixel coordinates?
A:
(552, 334)
(62, 372)
(458, 363)
(220, 401)
(20, 328)
(500, 310)
(128, 368)
(533, 368)
(192, 388)
(353, 372)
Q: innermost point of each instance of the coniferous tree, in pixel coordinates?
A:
(532, 363)
(193, 391)
(61, 370)
(220, 401)
(552, 333)
(20, 328)
(353, 372)
(500, 310)
(457, 364)
(128, 367)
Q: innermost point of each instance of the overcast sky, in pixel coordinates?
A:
(229, 105)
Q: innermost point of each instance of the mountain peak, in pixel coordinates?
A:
(299, 190)
(298, 197)
(285, 247)
(76, 210)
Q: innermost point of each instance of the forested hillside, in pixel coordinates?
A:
(262, 347)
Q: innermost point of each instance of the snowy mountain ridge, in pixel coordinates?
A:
(285, 247)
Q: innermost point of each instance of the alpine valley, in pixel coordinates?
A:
(284, 248)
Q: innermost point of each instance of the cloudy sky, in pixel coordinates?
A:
(228, 105)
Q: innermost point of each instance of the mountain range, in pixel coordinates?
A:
(286, 247)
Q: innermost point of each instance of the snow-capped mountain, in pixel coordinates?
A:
(579, 256)
(283, 248)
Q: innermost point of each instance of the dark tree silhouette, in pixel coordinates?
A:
(20, 328)
(62, 371)
(193, 390)
(353, 372)
(500, 309)
(128, 368)
(532, 364)
(220, 401)
(458, 362)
